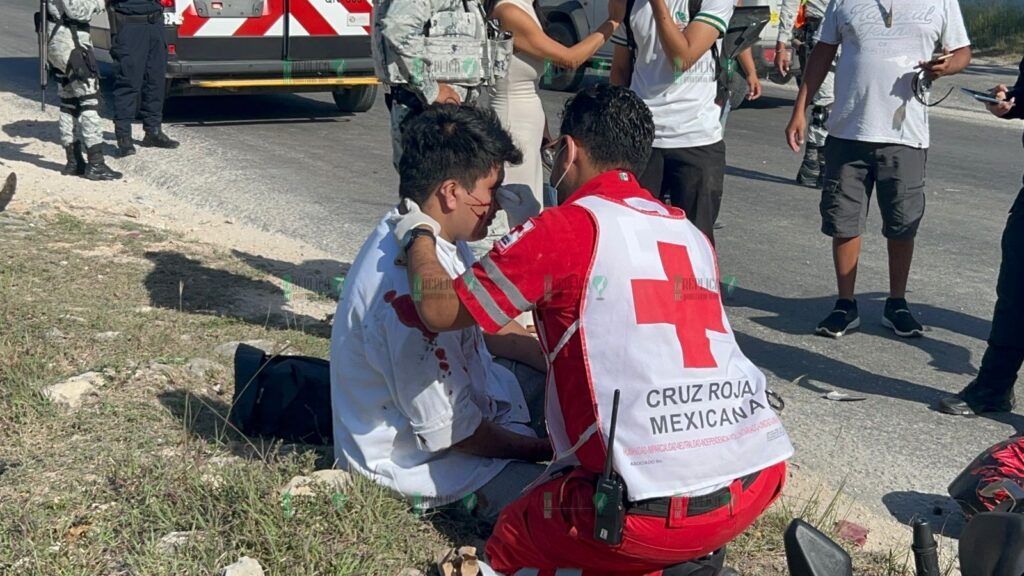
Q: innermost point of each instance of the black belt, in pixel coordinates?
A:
(151, 18)
(695, 505)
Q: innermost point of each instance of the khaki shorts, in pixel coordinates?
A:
(854, 169)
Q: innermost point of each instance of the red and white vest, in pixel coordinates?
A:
(693, 412)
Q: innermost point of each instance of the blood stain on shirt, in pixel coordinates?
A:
(405, 308)
(443, 366)
(441, 354)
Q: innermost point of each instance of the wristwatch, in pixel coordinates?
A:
(416, 233)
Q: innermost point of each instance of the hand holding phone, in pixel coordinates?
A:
(980, 96)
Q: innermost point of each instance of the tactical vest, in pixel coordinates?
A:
(457, 47)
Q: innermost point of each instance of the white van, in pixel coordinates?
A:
(570, 20)
(247, 46)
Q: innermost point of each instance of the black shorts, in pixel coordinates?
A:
(853, 169)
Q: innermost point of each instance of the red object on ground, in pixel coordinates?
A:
(552, 527)
(854, 533)
(1003, 461)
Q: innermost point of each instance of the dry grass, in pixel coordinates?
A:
(94, 490)
(995, 26)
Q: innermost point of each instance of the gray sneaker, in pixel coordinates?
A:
(899, 319)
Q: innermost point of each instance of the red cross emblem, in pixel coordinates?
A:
(682, 301)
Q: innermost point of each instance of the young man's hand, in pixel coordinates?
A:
(1003, 108)
(783, 58)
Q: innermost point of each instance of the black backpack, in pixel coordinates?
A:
(287, 397)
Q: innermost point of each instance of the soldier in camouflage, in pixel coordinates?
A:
(434, 51)
(74, 65)
(812, 170)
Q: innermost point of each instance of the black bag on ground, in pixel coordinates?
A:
(287, 397)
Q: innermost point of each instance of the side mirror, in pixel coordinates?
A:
(992, 544)
(811, 553)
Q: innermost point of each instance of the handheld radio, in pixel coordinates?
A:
(609, 508)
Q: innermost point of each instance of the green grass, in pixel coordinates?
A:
(995, 26)
(93, 491)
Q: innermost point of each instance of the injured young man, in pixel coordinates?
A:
(435, 416)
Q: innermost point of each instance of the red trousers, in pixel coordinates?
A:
(552, 527)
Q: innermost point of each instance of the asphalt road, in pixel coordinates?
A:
(295, 165)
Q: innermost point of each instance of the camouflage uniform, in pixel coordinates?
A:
(79, 96)
(418, 44)
(814, 161)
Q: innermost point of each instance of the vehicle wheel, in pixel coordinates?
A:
(356, 98)
(557, 78)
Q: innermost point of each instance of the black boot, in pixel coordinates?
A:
(810, 170)
(76, 162)
(992, 390)
(125, 146)
(158, 140)
(97, 169)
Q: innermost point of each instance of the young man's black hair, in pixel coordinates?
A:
(613, 124)
(447, 141)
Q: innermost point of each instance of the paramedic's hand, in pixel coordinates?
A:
(1004, 107)
(519, 203)
(409, 217)
(447, 95)
(796, 130)
(783, 58)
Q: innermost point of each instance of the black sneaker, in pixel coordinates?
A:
(975, 400)
(897, 317)
(842, 319)
(158, 140)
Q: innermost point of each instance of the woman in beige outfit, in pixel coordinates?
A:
(514, 98)
(516, 101)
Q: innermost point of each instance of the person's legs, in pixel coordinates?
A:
(651, 179)
(992, 390)
(504, 488)
(694, 179)
(901, 200)
(399, 113)
(845, 197)
(151, 106)
(532, 382)
(129, 44)
(552, 527)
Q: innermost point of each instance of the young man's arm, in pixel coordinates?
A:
(438, 304)
(493, 441)
(817, 67)
(686, 47)
(621, 73)
(515, 343)
(435, 395)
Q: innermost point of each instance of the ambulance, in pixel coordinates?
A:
(254, 46)
(570, 20)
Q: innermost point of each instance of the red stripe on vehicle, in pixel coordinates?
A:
(311, 19)
(190, 22)
(259, 26)
(360, 7)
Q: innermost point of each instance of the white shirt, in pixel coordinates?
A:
(402, 397)
(874, 95)
(683, 104)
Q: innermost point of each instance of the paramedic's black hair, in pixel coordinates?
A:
(614, 126)
(447, 141)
